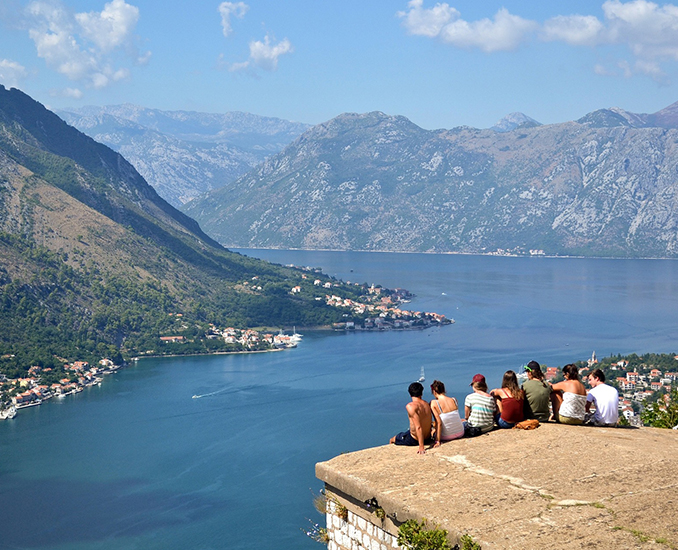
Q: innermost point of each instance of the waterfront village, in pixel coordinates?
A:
(384, 314)
(31, 391)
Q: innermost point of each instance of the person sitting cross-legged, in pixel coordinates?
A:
(446, 417)
(419, 414)
(510, 401)
(568, 398)
(479, 407)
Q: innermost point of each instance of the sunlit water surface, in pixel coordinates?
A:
(138, 463)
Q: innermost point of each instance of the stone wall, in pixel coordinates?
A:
(352, 525)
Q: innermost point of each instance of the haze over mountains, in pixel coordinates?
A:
(184, 154)
(604, 185)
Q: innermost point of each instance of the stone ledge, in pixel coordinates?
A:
(551, 488)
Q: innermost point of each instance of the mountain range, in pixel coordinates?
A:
(184, 154)
(604, 185)
(93, 262)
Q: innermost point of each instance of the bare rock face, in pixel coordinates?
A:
(184, 154)
(602, 186)
(556, 487)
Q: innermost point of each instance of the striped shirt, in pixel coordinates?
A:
(482, 411)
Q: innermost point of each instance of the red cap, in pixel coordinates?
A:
(478, 378)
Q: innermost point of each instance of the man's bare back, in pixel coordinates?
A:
(419, 415)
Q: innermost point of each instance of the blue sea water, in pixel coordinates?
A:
(138, 463)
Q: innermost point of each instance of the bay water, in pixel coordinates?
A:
(218, 452)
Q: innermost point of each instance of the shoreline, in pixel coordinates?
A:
(448, 253)
(137, 358)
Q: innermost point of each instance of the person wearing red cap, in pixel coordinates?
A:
(480, 407)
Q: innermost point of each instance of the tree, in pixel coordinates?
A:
(662, 415)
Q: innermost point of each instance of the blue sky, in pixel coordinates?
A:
(441, 64)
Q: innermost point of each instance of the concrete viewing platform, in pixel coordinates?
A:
(556, 487)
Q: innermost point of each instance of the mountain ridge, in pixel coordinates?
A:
(183, 154)
(94, 263)
(600, 186)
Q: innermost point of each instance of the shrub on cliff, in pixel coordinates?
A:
(662, 414)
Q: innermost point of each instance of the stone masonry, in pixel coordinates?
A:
(353, 526)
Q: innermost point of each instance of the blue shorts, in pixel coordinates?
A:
(503, 424)
(405, 438)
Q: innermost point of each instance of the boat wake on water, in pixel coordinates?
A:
(210, 394)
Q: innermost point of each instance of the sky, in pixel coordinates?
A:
(440, 64)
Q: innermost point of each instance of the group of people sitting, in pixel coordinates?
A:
(566, 402)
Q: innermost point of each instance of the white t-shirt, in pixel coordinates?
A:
(606, 400)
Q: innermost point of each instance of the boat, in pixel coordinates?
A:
(423, 376)
(8, 413)
(296, 337)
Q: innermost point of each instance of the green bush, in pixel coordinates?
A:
(415, 536)
(659, 415)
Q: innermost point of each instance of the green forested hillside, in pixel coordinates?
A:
(93, 263)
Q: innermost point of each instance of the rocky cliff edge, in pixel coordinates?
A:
(556, 487)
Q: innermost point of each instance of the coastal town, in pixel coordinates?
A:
(31, 390)
(382, 312)
(385, 314)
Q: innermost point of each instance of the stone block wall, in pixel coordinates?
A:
(352, 525)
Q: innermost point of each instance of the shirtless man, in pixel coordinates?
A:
(419, 413)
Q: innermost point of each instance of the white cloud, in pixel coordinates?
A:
(112, 27)
(648, 30)
(228, 10)
(73, 93)
(239, 67)
(81, 46)
(11, 73)
(650, 68)
(143, 58)
(626, 68)
(427, 22)
(504, 32)
(264, 55)
(577, 30)
(602, 70)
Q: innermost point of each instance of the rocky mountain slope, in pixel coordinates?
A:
(184, 154)
(93, 261)
(604, 185)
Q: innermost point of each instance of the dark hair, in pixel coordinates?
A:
(510, 382)
(535, 370)
(571, 372)
(438, 387)
(599, 374)
(416, 389)
(482, 386)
